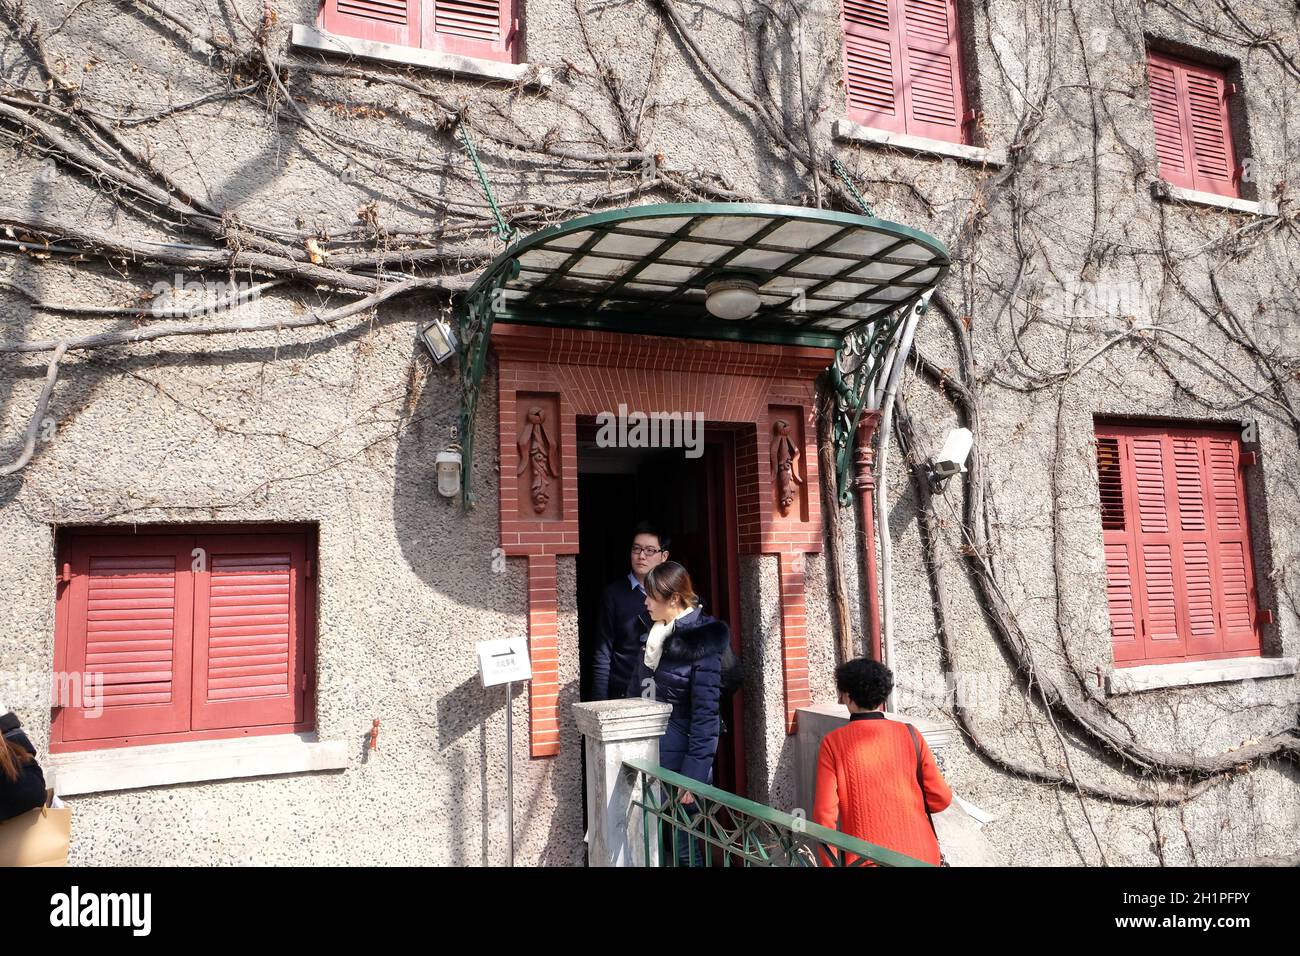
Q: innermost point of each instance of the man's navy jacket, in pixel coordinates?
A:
(621, 624)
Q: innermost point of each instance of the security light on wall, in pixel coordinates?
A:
(447, 465)
(951, 459)
(439, 339)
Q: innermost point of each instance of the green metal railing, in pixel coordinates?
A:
(722, 829)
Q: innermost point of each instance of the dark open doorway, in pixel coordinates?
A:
(694, 499)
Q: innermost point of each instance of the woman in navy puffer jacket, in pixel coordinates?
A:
(681, 664)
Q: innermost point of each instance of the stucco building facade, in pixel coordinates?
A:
(1088, 290)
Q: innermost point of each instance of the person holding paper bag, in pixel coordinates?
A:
(35, 829)
(22, 784)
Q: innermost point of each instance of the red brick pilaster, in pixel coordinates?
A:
(543, 646)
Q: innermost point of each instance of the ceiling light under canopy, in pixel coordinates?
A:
(732, 298)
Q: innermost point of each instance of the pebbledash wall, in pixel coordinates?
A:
(340, 430)
(406, 586)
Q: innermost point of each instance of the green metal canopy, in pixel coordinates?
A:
(820, 274)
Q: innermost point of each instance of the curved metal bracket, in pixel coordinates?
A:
(859, 373)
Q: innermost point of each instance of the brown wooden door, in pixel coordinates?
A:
(724, 561)
(694, 499)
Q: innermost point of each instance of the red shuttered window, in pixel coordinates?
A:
(188, 636)
(1179, 581)
(902, 67)
(480, 28)
(1189, 108)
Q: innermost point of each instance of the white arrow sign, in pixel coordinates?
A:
(503, 661)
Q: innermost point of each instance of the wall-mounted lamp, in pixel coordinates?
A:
(951, 460)
(439, 339)
(732, 298)
(448, 468)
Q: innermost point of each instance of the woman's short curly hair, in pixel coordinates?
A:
(867, 682)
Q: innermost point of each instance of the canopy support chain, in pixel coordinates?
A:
(843, 173)
(504, 231)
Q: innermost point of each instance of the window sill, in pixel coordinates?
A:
(160, 765)
(1132, 680)
(532, 77)
(849, 132)
(1171, 193)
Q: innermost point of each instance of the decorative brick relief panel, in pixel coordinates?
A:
(788, 464)
(537, 463)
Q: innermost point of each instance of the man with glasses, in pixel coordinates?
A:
(622, 618)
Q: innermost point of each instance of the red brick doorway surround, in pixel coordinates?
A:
(548, 377)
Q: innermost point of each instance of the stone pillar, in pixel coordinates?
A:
(614, 731)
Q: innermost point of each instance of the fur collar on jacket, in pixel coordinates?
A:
(694, 639)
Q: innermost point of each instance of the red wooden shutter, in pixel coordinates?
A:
(873, 72)
(1230, 542)
(1157, 549)
(1193, 134)
(1178, 565)
(1122, 596)
(482, 28)
(127, 611)
(1214, 164)
(385, 21)
(1202, 634)
(931, 77)
(249, 636)
(1172, 149)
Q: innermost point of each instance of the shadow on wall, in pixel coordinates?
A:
(1267, 581)
(468, 709)
(453, 551)
(453, 554)
(563, 777)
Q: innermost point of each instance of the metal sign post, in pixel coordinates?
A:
(504, 662)
(510, 772)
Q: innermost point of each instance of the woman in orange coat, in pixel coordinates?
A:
(867, 771)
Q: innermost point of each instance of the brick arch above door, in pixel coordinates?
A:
(549, 377)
